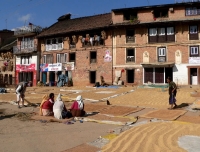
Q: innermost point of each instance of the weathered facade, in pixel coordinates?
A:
(154, 42)
(79, 48)
(27, 54)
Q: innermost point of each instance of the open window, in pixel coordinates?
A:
(130, 15)
(62, 58)
(130, 36)
(190, 11)
(130, 55)
(72, 57)
(93, 57)
(161, 13)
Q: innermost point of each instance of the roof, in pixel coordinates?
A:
(9, 43)
(78, 24)
(157, 6)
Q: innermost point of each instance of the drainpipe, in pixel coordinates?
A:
(112, 55)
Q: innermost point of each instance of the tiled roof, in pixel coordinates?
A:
(78, 24)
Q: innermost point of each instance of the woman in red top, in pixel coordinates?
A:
(47, 106)
(77, 108)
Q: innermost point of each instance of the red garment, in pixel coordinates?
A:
(75, 106)
(48, 105)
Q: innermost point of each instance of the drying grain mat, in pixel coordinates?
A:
(83, 148)
(191, 119)
(92, 107)
(100, 118)
(164, 114)
(119, 110)
(153, 137)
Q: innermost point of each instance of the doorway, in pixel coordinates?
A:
(130, 76)
(193, 76)
(92, 76)
(168, 73)
(44, 77)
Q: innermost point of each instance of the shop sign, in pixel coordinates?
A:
(69, 66)
(23, 67)
(51, 67)
(194, 60)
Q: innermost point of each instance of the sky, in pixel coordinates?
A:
(44, 13)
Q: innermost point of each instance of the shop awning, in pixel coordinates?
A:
(158, 64)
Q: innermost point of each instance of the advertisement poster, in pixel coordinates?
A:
(44, 67)
(69, 66)
(107, 57)
(22, 67)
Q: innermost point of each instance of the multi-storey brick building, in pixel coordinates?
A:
(153, 42)
(27, 54)
(80, 48)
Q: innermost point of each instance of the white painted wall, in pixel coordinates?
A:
(180, 74)
(34, 60)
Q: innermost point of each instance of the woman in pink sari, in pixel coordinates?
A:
(77, 108)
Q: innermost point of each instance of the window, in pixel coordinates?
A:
(130, 36)
(93, 57)
(54, 44)
(193, 34)
(161, 34)
(170, 30)
(72, 57)
(161, 13)
(26, 59)
(27, 43)
(130, 55)
(130, 15)
(61, 58)
(192, 11)
(48, 58)
(153, 31)
(161, 31)
(193, 29)
(194, 51)
(162, 54)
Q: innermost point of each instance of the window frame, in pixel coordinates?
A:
(130, 58)
(162, 54)
(192, 52)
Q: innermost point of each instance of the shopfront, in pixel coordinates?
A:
(26, 73)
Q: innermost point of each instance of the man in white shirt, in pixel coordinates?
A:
(20, 91)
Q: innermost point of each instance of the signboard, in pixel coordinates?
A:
(69, 66)
(194, 60)
(107, 57)
(27, 67)
(51, 67)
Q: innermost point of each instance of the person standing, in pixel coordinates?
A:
(20, 91)
(172, 92)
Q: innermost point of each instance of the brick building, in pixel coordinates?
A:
(27, 53)
(79, 48)
(7, 62)
(153, 42)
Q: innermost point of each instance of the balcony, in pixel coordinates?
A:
(26, 30)
(21, 49)
(58, 46)
(130, 59)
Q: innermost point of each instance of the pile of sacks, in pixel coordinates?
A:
(3, 90)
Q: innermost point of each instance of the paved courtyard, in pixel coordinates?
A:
(135, 115)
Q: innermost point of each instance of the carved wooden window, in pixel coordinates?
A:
(193, 33)
(162, 54)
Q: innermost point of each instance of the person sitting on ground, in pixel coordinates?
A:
(103, 83)
(44, 99)
(59, 109)
(77, 108)
(47, 106)
(20, 91)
